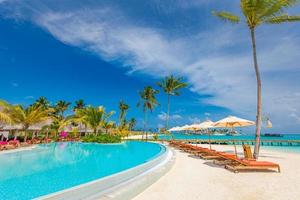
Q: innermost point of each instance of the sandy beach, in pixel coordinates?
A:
(192, 178)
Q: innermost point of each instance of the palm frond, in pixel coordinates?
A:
(282, 18)
(226, 16)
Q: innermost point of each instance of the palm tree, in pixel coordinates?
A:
(26, 116)
(42, 101)
(4, 114)
(79, 104)
(258, 12)
(123, 107)
(107, 125)
(94, 117)
(131, 124)
(56, 126)
(61, 107)
(148, 102)
(171, 86)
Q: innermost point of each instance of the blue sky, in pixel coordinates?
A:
(105, 51)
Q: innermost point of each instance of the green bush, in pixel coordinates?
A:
(104, 138)
(155, 137)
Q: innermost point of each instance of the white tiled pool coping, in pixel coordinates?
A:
(123, 185)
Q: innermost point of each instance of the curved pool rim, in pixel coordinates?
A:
(97, 188)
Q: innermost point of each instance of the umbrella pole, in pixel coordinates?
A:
(235, 151)
(209, 140)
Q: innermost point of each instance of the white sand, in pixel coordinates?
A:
(193, 178)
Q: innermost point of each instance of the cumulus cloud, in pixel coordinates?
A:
(163, 116)
(216, 60)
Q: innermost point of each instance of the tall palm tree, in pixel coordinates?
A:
(123, 107)
(27, 116)
(147, 102)
(94, 117)
(61, 107)
(79, 104)
(256, 13)
(171, 86)
(42, 101)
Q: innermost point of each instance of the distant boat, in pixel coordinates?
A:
(272, 135)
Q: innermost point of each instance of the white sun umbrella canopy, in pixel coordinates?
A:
(206, 124)
(231, 122)
(176, 128)
(185, 128)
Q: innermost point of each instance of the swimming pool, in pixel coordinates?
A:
(54, 167)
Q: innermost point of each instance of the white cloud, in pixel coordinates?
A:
(163, 116)
(29, 97)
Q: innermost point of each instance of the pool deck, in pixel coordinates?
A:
(194, 179)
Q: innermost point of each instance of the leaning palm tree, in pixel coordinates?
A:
(27, 116)
(171, 86)
(94, 117)
(61, 107)
(256, 13)
(148, 102)
(123, 107)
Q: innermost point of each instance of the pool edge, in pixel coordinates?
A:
(109, 187)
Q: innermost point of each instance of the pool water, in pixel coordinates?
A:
(53, 167)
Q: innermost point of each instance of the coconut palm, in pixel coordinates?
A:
(131, 124)
(27, 116)
(61, 107)
(56, 126)
(108, 125)
(94, 117)
(123, 107)
(4, 114)
(148, 102)
(79, 104)
(42, 101)
(171, 86)
(256, 13)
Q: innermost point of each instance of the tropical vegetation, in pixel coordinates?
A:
(148, 102)
(104, 138)
(257, 13)
(171, 86)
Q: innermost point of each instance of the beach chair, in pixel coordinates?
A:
(247, 152)
(249, 163)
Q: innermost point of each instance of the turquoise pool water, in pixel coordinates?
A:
(53, 167)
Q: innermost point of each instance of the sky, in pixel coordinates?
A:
(106, 51)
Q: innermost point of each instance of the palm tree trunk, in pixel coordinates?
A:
(25, 135)
(259, 101)
(168, 113)
(145, 125)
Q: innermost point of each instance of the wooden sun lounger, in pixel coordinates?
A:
(253, 165)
